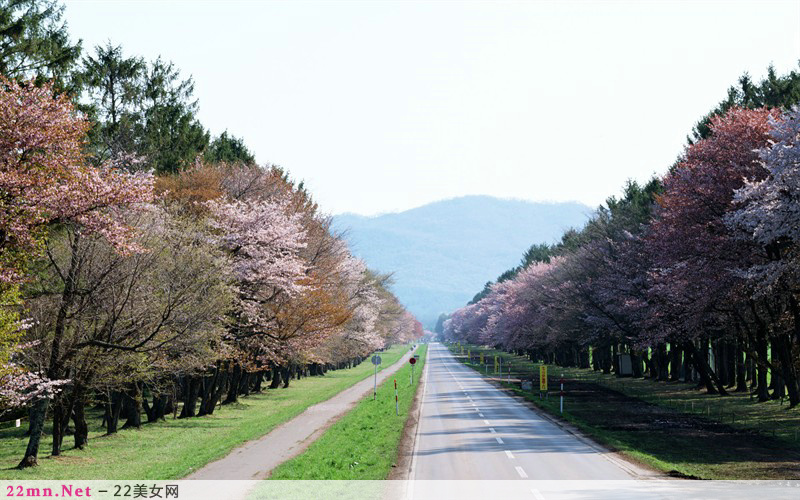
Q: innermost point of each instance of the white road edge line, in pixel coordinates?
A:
(521, 472)
(537, 494)
(509, 455)
(414, 453)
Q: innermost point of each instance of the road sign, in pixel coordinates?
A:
(376, 360)
(412, 360)
(543, 377)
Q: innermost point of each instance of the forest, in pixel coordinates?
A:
(146, 268)
(691, 276)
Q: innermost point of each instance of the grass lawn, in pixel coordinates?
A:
(174, 448)
(672, 426)
(363, 444)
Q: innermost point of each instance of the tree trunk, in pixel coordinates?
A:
(79, 418)
(190, 397)
(37, 415)
(286, 375)
(675, 362)
(741, 368)
(276, 378)
(133, 407)
(761, 369)
(233, 390)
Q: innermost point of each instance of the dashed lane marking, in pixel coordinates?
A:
(521, 472)
(509, 455)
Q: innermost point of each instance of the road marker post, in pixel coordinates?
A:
(495, 364)
(509, 372)
(542, 381)
(562, 393)
(396, 409)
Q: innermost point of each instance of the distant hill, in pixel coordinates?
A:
(444, 252)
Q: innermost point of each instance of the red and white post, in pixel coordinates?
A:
(396, 406)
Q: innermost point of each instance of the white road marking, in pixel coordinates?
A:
(500, 441)
(491, 429)
(509, 455)
(537, 494)
(521, 472)
(481, 414)
(486, 422)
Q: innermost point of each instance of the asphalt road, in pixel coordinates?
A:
(469, 429)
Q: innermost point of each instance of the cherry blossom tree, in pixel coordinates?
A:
(45, 179)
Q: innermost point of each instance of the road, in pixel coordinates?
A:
(257, 458)
(469, 429)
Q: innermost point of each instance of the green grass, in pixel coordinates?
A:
(174, 448)
(363, 444)
(672, 427)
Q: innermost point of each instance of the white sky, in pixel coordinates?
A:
(385, 106)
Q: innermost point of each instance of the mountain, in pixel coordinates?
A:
(443, 253)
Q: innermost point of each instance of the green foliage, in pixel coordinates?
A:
(111, 83)
(141, 109)
(34, 43)
(171, 136)
(772, 92)
(229, 149)
(10, 304)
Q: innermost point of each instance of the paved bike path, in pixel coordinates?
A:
(256, 459)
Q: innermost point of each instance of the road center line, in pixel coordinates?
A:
(521, 472)
(500, 441)
(509, 455)
(491, 429)
(486, 422)
(480, 414)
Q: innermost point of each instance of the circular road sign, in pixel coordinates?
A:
(412, 360)
(376, 360)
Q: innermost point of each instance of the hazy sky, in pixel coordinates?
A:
(384, 106)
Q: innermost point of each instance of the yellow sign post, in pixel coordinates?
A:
(481, 358)
(462, 350)
(495, 364)
(543, 378)
(469, 355)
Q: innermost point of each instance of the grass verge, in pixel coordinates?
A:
(363, 443)
(174, 448)
(671, 427)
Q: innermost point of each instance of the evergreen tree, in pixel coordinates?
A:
(229, 149)
(34, 43)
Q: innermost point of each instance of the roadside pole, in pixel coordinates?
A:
(562, 393)
(396, 408)
(509, 372)
(376, 360)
